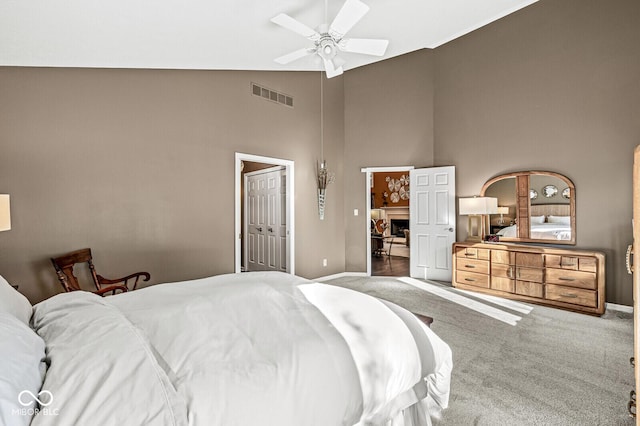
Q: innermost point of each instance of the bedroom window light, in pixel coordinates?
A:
(5, 213)
(477, 208)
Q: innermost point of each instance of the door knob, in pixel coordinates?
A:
(259, 228)
(270, 229)
(448, 229)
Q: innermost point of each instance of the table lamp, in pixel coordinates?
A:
(477, 208)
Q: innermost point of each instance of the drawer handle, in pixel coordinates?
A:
(568, 264)
(569, 295)
(469, 254)
(566, 279)
(469, 279)
(628, 260)
(631, 407)
(469, 266)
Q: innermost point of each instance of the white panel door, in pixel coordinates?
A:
(265, 223)
(432, 223)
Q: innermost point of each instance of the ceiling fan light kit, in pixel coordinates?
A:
(329, 40)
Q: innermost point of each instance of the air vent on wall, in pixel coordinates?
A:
(271, 95)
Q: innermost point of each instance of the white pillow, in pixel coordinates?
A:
(537, 219)
(564, 220)
(22, 370)
(14, 303)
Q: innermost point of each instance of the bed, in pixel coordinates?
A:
(258, 348)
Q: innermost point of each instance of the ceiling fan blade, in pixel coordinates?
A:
(339, 62)
(367, 46)
(296, 26)
(349, 15)
(293, 56)
(330, 69)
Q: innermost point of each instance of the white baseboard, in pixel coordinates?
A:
(619, 308)
(341, 275)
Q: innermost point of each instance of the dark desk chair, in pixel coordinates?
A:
(64, 269)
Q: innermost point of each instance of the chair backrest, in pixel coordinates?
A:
(64, 268)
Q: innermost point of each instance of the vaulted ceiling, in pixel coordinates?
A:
(229, 35)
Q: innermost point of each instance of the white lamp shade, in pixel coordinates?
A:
(503, 210)
(5, 213)
(477, 205)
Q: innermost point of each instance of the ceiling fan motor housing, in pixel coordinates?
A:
(327, 48)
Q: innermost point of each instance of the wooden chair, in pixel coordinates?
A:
(64, 269)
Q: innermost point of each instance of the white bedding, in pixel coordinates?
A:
(541, 231)
(240, 349)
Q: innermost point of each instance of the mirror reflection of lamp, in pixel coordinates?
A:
(5, 213)
(502, 211)
(477, 208)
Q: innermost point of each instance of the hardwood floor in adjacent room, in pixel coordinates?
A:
(389, 266)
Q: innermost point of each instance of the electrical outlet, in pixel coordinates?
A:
(324, 262)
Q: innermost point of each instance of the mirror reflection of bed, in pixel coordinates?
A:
(535, 206)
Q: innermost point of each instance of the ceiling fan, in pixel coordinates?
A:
(329, 39)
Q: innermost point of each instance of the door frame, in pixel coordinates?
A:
(368, 171)
(290, 203)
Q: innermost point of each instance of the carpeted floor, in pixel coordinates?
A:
(553, 367)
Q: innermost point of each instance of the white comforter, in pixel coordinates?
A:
(241, 349)
(541, 231)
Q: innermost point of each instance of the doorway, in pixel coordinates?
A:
(390, 239)
(264, 214)
(432, 220)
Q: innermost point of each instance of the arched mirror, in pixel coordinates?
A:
(533, 206)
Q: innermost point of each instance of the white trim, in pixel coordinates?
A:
(619, 308)
(368, 177)
(290, 182)
(387, 169)
(341, 275)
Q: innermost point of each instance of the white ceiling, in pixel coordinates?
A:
(207, 34)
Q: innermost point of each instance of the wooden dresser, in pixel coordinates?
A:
(563, 278)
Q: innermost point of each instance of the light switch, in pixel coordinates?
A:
(355, 212)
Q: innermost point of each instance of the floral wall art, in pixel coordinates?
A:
(390, 189)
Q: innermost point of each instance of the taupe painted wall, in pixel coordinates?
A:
(139, 166)
(388, 109)
(555, 86)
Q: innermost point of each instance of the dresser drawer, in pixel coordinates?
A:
(528, 288)
(502, 256)
(472, 253)
(503, 284)
(530, 259)
(576, 296)
(502, 270)
(529, 274)
(472, 278)
(571, 278)
(576, 263)
(473, 265)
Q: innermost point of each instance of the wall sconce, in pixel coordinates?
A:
(476, 208)
(5, 213)
(324, 178)
(502, 211)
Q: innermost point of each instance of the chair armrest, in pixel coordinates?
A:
(112, 289)
(136, 277)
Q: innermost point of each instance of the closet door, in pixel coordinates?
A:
(266, 225)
